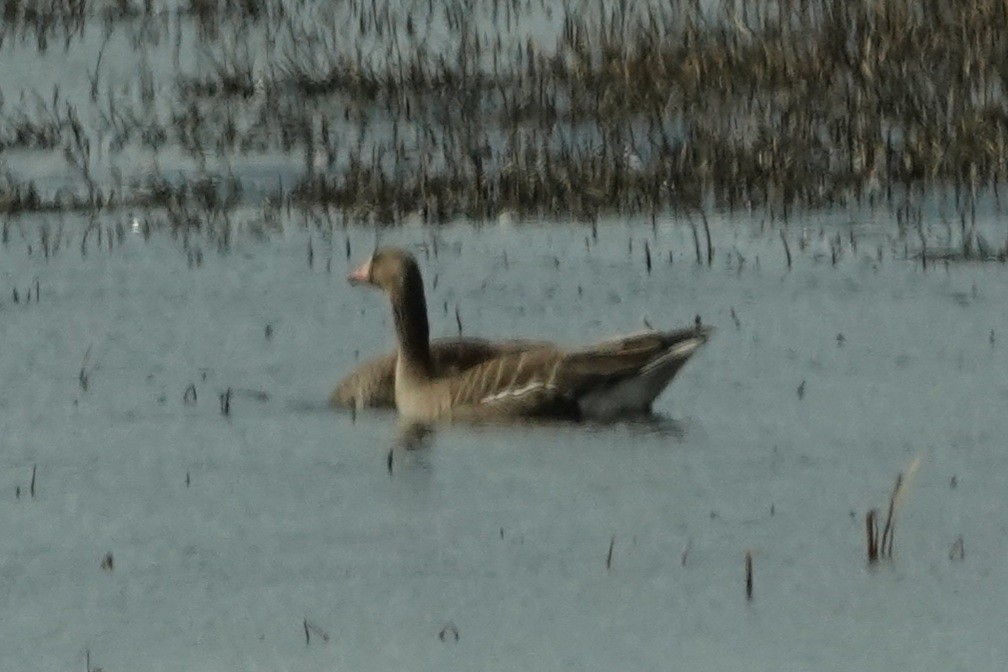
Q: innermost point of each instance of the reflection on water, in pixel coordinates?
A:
(413, 436)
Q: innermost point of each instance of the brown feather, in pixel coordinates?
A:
(372, 384)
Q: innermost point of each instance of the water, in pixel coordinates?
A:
(228, 533)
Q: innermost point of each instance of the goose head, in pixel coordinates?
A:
(396, 272)
(390, 269)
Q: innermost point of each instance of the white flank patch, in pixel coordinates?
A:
(538, 385)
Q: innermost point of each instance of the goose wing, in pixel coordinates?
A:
(550, 381)
(521, 383)
(630, 355)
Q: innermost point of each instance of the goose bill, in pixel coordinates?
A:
(362, 275)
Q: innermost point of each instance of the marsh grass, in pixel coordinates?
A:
(471, 109)
(880, 540)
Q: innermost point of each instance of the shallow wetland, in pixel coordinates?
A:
(183, 187)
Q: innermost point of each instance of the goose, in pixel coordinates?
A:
(600, 381)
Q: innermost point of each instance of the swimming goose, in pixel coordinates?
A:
(604, 380)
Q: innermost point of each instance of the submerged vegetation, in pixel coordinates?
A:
(385, 109)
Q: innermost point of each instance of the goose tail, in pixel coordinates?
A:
(634, 394)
